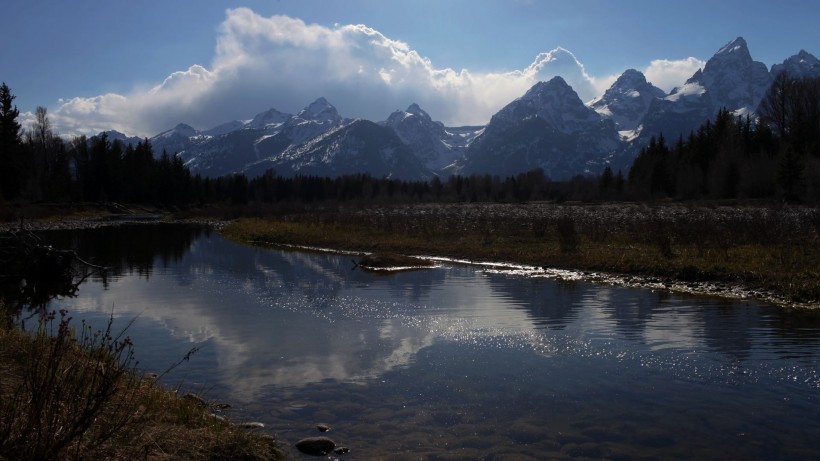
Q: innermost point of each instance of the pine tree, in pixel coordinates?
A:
(790, 174)
(11, 164)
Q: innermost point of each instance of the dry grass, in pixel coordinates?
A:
(772, 250)
(67, 394)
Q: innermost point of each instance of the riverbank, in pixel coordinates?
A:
(739, 252)
(69, 393)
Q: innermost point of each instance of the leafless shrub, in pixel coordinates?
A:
(74, 396)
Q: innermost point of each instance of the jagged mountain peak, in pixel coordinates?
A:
(738, 46)
(181, 130)
(627, 101)
(630, 78)
(730, 79)
(270, 117)
(548, 126)
(551, 98)
(225, 128)
(554, 101)
(631, 83)
(413, 111)
(416, 110)
(732, 56)
(114, 135)
(543, 88)
(436, 146)
(803, 64)
(320, 110)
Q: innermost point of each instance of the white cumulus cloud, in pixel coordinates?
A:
(282, 62)
(667, 74)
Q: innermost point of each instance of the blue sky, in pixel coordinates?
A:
(141, 67)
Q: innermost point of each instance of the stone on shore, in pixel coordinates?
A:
(316, 446)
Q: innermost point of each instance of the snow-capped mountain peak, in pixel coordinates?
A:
(731, 79)
(738, 46)
(555, 102)
(270, 117)
(627, 100)
(182, 130)
(320, 110)
(436, 146)
(412, 111)
(548, 127)
(803, 64)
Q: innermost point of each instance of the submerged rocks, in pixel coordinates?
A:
(316, 446)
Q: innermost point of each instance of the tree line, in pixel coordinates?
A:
(38, 165)
(775, 156)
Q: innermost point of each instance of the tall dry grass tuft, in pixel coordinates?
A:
(71, 391)
(568, 238)
(70, 395)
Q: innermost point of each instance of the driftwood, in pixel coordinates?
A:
(32, 272)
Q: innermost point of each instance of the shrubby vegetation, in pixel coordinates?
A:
(769, 251)
(75, 393)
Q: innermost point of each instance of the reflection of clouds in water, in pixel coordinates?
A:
(284, 359)
(674, 331)
(289, 319)
(280, 339)
(178, 311)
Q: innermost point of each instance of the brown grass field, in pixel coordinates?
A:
(771, 253)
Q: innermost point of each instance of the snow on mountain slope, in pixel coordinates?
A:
(548, 128)
(627, 100)
(359, 146)
(803, 64)
(555, 102)
(730, 79)
(271, 118)
(438, 147)
(733, 80)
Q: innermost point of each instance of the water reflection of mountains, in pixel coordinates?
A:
(731, 327)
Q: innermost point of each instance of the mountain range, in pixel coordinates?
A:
(549, 127)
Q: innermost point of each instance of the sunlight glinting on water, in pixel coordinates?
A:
(456, 351)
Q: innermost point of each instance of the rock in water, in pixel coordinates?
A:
(322, 427)
(316, 446)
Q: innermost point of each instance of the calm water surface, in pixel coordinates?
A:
(457, 362)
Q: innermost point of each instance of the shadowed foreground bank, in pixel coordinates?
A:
(771, 253)
(75, 393)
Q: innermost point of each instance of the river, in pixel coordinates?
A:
(458, 361)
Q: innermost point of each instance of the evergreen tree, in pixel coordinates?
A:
(11, 164)
(607, 177)
(790, 174)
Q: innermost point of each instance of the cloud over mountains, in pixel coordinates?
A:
(282, 62)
